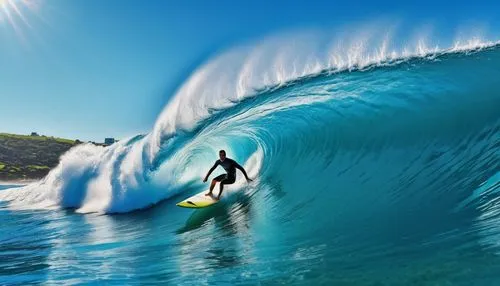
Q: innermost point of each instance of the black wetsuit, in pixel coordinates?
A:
(230, 166)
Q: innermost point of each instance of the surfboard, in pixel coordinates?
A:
(199, 200)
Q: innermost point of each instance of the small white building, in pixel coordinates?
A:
(109, 141)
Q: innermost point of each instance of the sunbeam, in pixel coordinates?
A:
(13, 12)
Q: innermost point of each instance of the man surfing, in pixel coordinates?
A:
(225, 179)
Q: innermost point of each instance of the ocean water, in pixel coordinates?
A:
(368, 171)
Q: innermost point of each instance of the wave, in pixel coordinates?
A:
(352, 116)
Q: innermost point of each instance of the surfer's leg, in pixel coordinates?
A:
(221, 187)
(226, 181)
(212, 186)
(214, 181)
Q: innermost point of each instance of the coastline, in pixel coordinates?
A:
(17, 182)
(25, 159)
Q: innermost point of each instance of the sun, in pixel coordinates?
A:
(13, 12)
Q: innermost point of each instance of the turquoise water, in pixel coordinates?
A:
(385, 175)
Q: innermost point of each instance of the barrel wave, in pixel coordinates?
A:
(369, 167)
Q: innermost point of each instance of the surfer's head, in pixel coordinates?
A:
(222, 155)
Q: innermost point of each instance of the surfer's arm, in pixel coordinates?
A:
(211, 170)
(238, 166)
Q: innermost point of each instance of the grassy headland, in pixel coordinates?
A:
(25, 157)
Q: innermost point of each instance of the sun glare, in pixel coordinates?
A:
(13, 12)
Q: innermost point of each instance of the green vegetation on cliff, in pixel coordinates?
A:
(30, 157)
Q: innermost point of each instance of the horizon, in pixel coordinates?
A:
(89, 70)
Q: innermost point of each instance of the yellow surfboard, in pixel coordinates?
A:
(199, 200)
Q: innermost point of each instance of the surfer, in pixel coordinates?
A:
(225, 179)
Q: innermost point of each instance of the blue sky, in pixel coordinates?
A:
(90, 69)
